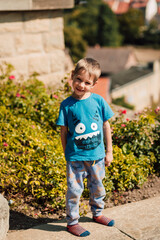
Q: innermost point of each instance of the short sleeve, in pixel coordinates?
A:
(62, 119)
(106, 111)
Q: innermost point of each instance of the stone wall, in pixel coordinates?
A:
(4, 217)
(33, 41)
(14, 5)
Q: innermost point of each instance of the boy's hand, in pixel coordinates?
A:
(108, 158)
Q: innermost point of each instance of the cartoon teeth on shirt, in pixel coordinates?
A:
(85, 140)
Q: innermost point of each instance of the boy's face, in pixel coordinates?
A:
(82, 84)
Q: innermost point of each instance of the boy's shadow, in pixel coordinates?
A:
(52, 227)
(58, 225)
(20, 221)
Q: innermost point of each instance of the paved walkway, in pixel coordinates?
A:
(138, 220)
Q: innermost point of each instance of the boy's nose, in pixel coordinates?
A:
(82, 84)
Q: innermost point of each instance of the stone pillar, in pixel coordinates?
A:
(32, 39)
(4, 217)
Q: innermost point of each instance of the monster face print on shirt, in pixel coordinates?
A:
(84, 120)
(88, 135)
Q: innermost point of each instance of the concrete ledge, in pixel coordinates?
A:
(4, 217)
(137, 220)
(26, 5)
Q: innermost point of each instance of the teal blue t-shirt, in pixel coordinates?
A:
(84, 119)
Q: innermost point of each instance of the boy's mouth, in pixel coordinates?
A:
(79, 90)
(88, 141)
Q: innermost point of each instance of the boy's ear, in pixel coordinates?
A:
(95, 83)
(72, 74)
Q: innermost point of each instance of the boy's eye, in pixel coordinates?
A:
(88, 83)
(79, 79)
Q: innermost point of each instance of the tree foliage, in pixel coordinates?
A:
(108, 32)
(130, 24)
(150, 35)
(75, 42)
(86, 18)
(93, 23)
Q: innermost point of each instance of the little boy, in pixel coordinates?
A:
(83, 118)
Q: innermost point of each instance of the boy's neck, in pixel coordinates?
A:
(85, 96)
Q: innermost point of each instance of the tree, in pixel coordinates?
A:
(85, 17)
(94, 23)
(75, 42)
(130, 24)
(108, 34)
(151, 35)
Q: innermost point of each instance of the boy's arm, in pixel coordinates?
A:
(64, 131)
(108, 141)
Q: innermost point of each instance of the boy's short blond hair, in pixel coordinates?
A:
(90, 65)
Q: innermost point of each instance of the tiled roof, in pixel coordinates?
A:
(123, 7)
(146, 55)
(138, 3)
(129, 75)
(111, 60)
(110, 3)
(120, 7)
(102, 88)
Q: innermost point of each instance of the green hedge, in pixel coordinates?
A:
(32, 159)
(140, 136)
(127, 171)
(121, 102)
(32, 162)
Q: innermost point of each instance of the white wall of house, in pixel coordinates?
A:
(132, 61)
(143, 91)
(151, 9)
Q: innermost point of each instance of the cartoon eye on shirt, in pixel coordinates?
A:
(89, 140)
(80, 128)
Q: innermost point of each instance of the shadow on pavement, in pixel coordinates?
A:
(20, 221)
(51, 228)
(58, 225)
